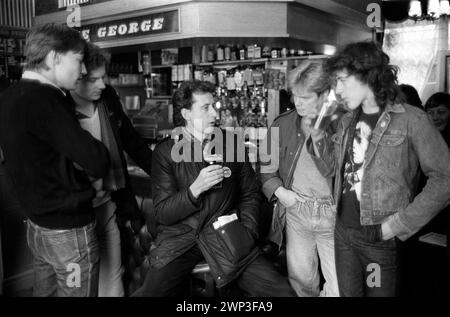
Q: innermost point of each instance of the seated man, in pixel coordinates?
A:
(189, 198)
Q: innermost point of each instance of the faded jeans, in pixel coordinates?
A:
(367, 266)
(310, 236)
(111, 270)
(65, 261)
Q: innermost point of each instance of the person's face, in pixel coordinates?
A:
(440, 116)
(306, 102)
(68, 68)
(91, 86)
(202, 115)
(351, 90)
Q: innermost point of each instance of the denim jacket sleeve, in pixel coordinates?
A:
(269, 162)
(434, 159)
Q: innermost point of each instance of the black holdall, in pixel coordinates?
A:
(228, 250)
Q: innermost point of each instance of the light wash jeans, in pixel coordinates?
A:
(111, 271)
(65, 261)
(310, 235)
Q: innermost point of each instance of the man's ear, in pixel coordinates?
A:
(50, 59)
(186, 114)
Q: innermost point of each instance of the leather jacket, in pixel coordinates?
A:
(184, 221)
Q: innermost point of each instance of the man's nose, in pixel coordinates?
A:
(212, 111)
(101, 84)
(83, 69)
(338, 89)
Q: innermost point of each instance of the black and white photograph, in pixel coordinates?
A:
(225, 155)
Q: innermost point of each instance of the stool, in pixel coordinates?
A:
(201, 282)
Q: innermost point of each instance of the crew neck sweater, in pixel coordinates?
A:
(48, 156)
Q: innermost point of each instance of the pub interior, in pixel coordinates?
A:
(246, 50)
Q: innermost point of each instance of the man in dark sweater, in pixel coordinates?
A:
(99, 111)
(49, 159)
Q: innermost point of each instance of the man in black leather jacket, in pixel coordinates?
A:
(189, 207)
(99, 111)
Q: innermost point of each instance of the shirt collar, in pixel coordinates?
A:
(397, 107)
(32, 75)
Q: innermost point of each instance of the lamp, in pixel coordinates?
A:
(415, 9)
(434, 10)
(445, 7)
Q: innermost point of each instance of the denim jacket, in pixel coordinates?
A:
(403, 141)
(286, 151)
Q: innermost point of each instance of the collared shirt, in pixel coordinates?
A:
(32, 75)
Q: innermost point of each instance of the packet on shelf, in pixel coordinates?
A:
(223, 220)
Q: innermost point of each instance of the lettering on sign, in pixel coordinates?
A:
(69, 3)
(165, 22)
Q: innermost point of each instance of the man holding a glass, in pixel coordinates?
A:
(305, 211)
(205, 210)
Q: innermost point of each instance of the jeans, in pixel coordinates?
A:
(310, 236)
(65, 261)
(111, 270)
(366, 265)
(259, 279)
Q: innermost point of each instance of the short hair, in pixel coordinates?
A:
(368, 63)
(311, 75)
(183, 98)
(42, 39)
(411, 95)
(95, 57)
(437, 99)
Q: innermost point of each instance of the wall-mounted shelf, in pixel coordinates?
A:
(259, 60)
(162, 66)
(129, 86)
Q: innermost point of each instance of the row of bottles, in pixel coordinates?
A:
(240, 77)
(219, 53)
(242, 108)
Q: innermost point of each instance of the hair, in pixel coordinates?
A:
(45, 38)
(369, 64)
(437, 99)
(311, 75)
(183, 98)
(411, 96)
(95, 57)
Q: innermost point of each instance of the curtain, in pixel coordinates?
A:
(413, 47)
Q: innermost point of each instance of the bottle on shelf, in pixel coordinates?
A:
(227, 52)
(257, 51)
(250, 52)
(242, 53)
(211, 53)
(220, 55)
(234, 53)
(204, 54)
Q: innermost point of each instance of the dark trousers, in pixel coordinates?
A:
(366, 266)
(259, 279)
